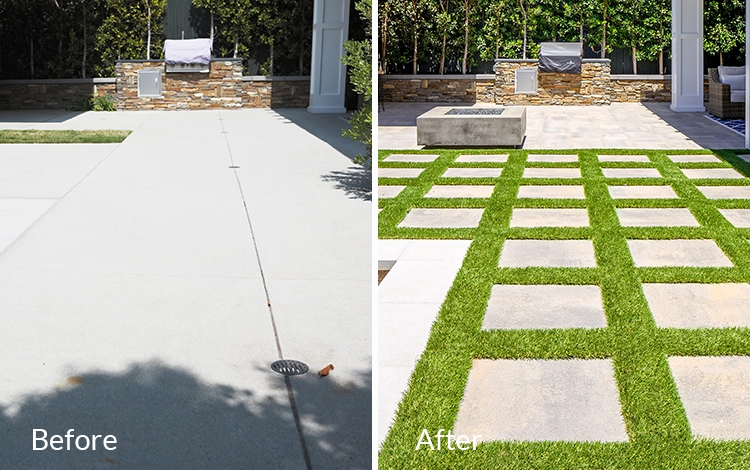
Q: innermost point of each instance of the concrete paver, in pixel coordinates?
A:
(548, 253)
(623, 158)
(631, 173)
(699, 305)
(385, 192)
(697, 253)
(723, 173)
(552, 173)
(552, 158)
(472, 172)
(740, 218)
(694, 158)
(551, 192)
(442, 218)
(549, 218)
(656, 217)
(473, 191)
(541, 400)
(543, 307)
(399, 172)
(405, 157)
(642, 192)
(715, 394)
(725, 192)
(492, 158)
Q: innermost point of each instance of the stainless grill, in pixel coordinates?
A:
(560, 57)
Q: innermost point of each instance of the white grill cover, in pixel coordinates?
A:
(561, 48)
(187, 51)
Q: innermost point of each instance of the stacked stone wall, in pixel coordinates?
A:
(275, 92)
(52, 94)
(440, 88)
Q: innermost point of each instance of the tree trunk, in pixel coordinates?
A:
(211, 35)
(635, 61)
(148, 38)
(384, 39)
(85, 42)
(661, 62)
(604, 32)
(271, 67)
(442, 54)
(236, 45)
(414, 57)
(525, 30)
(32, 57)
(466, 36)
(721, 58)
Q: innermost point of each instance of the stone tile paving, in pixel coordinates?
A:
(552, 158)
(552, 395)
(415, 157)
(399, 172)
(472, 172)
(489, 158)
(385, 192)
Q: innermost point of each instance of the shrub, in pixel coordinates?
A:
(103, 103)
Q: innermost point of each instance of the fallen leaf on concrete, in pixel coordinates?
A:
(325, 370)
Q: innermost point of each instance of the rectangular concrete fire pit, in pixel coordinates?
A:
(446, 126)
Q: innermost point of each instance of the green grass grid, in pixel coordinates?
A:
(658, 429)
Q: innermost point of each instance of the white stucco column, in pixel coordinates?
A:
(327, 73)
(687, 56)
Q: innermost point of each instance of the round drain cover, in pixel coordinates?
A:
(289, 367)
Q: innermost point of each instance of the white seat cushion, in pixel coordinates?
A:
(737, 96)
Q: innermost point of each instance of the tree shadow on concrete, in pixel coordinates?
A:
(355, 181)
(166, 418)
(326, 127)
(36, 116)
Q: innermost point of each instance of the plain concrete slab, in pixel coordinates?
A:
(47, 171)
(549, 218)
(725, 192)
(472, 191)
(390, 250)
(399, 172)
(472, 172)
(386, 192)
(551, 192)
(442, 218)
(718, 173)
(744, 157)
(544, 307)
(642, 192)
(548, 253)
(696, 253)
(631, 173)
(488, 158)
(715, 394)
(55, 119)
(434, 250)
(552, 173)
(656, 217)
(740, 218)
(427, 281)
(623, 158)
(17, 215)
(542, 400)
(699, 305)
(694, 158)
(414, 157)
(535, 157)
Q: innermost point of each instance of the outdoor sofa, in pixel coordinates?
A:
(726, 92)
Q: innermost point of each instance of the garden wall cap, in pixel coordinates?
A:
(53, 81)
(456, 76)
(268, 78)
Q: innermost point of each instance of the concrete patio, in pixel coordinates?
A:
(148, 286)
(620, 125)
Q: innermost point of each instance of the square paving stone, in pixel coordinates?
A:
(623, 158)
(385, 192)
(461, 191)
(715, 392)
(549, 218)
(696, 253)
(723, 173)
(740, 218)
(552, 173)
(548, 253)
(543, 307)
(725, 192)
(631, 173)
(699, 305)
(397, 157)
(495, 158)
(541, 400)
(642, 192)
(552, 158)
(399, 172)
(472, 172)
(694, 158)
(656, 218)
(551, 192)
(442, 218)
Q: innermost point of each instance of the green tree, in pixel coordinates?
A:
(358, 59)
(724, 26)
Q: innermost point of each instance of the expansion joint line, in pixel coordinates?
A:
(289, 389)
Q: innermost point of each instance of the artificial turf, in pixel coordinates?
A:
(32, 136)
(657, 426)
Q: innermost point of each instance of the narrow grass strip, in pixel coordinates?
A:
(32, 136)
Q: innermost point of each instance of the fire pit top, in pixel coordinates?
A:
(475, 111)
